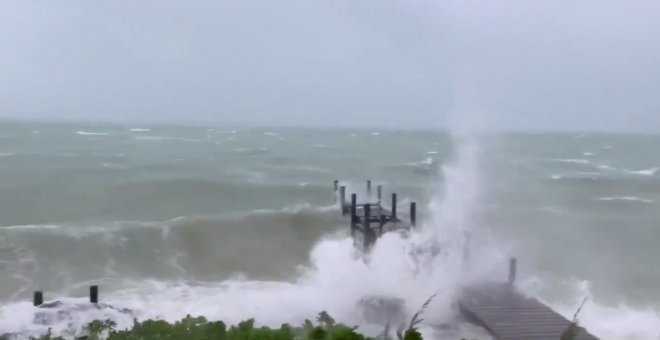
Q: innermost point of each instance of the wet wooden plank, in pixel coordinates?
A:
(508, 315)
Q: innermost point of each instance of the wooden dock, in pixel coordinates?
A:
(370, 218)
(497, 306)
(508, 315)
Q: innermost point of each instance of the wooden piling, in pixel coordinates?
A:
(379, 193)
(342, 200)
(38, 299)
(368, 188)
(413, 213)
(367, 227)
(382, 223)
(394, 205)
(336, 185)
(513, 264)
(94, 294)
(353, 213)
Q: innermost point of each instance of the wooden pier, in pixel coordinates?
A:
(370, 218)
(496, 306)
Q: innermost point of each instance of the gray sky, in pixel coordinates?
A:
(590, 64)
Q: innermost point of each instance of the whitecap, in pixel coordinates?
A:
(271, 134)
(572, 160)
(431, 152)
(140, 130)
(626, 199)
(87, 133)
(646, 172)
(375, 133)
(6, 154)
(605, 167)
(588, 154)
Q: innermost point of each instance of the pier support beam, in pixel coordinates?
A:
(353, 213)
(379, 193)
(513, 268)
(38, 299)
(413, 213)
(342, 200)
(94, 294)
(394, 206)
(368, 188)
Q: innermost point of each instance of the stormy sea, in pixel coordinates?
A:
(233, 223)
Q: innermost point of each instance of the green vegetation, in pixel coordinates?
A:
(198, 328)
(325, 328)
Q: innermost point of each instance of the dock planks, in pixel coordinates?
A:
(508, 315)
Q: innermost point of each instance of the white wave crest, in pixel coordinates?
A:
(87, 133)
(645, 172)
(626, 199)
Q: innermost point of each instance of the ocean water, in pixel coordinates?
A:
(238, 223)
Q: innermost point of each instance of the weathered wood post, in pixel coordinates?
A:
(413, 213)
(94, 294)
(394, 205)
(38, 299)
(379, 192)
(334, 200)
(513, 264)
(353, 212)
(342, 200)
(368, 188)
(367, 226)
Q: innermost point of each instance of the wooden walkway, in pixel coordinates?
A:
(497, 307)
(508, 315)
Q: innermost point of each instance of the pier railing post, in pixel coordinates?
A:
(353, 212)
(413, 213)
(368, 189)
(94, 294)
(513, 264)
(394, 206)
(334, 200)
(342, 200)
(379, 193)
(382, 223)
(38, 299)
(367, 227)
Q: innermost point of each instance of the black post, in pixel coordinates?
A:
(368, 188)
(379, 192)
(342, 199)
(367, 227)
(94, 294)
(413, 213)
(353, 212)
(382, 223)
(336, 187)
(38, 299)
(394, 205)
(513, 264)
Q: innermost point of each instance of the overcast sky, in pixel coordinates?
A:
(590, 64)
